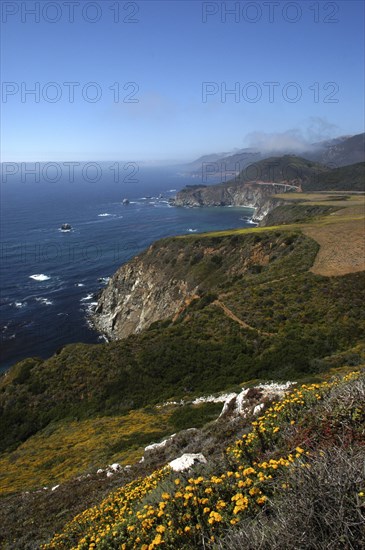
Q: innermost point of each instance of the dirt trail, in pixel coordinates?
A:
(234, 317)
(183, 307)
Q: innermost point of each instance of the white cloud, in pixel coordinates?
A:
(294, 139)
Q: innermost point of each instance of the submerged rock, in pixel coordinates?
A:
(66, 227)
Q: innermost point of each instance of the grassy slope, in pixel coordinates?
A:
(338, 254)
(286, 167)
(344, 178)
(67, 449)
(284, 454)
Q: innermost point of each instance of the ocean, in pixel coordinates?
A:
(49, 277)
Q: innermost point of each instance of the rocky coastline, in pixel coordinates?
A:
(149, 287)
(257, 195)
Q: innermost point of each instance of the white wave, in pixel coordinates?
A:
(6, 337)
(39, 277)
(87, 298)
(248, 220)
(192, 230)
(45, 301)
(172, 191)
(19, 305)
(104, 215)
(91, 307)
(80, 284)
(104, 280)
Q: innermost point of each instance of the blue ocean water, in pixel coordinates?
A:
(49, 278)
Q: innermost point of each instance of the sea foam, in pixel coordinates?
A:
(45, 301)
(39, 277)
(86, 298)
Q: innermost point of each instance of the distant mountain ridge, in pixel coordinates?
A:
(229, 157)
(345, 178)
(341, 152)
(308, 175)
(258, 182)
(334, 153)
(290, 169)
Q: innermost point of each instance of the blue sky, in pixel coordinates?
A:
(162, 53)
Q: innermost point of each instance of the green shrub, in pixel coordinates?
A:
(194, 416)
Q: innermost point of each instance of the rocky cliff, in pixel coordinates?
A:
(139, 294)
(249, 194)
(258, 195)
(172, 273)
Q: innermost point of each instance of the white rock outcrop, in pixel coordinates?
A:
(156, 446)
(186, 461)
(239, 404)
(214, 399)
(115, 467)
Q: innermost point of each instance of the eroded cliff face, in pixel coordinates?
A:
(162, 281)
(252, 194)
(262, 212)
(139, 294)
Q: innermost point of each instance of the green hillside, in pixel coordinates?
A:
(312, 176)
(285, 168)
(295, 320)
(345, 178)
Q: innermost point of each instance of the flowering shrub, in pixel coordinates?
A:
(179, 511)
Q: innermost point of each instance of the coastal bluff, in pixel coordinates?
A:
(140, 293)
(254, 194)
(175, 273)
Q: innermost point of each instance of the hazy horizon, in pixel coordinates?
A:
(265, 145)
(168, 82)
